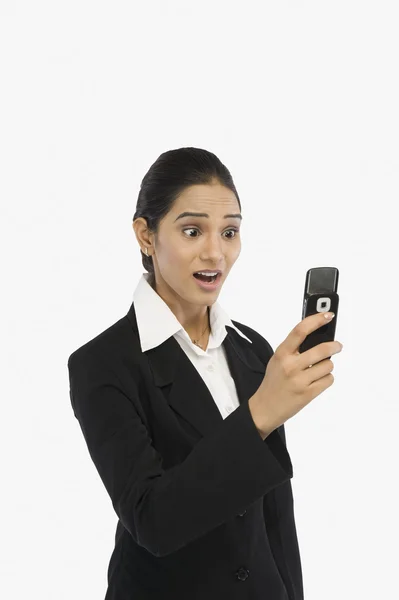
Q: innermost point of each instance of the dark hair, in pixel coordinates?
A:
(171, 173)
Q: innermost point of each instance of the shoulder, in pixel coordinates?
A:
(100, 345)
(260, 344)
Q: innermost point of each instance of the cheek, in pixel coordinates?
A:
(235, 252)
(180, 254)
(174, 254)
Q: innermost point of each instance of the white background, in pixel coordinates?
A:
(300, 101)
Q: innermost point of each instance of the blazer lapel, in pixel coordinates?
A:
(184, 388)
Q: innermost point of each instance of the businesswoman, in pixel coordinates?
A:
(182, 421)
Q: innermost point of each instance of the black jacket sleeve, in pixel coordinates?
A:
(163, 510)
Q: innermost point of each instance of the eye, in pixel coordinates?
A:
(196, 229)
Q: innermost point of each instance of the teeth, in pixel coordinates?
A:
(209, 274)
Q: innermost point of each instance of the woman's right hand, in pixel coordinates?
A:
(289, 384)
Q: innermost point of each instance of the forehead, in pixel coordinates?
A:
(206, 196)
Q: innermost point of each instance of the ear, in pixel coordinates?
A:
(144, 238)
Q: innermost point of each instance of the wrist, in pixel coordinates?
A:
(257, 412)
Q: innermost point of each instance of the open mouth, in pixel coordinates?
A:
(207, 278)
(208, 282)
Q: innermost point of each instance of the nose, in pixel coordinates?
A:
(213, 251)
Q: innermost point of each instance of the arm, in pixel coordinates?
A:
(163, 510)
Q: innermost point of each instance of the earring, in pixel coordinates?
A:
(146, 251)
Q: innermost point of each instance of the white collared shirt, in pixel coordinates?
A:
(156, 323)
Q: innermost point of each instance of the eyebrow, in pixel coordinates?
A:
(194, 214)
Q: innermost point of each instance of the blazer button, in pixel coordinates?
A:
(242, 574)
(242, 514)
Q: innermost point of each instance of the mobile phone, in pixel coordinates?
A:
(320, 295)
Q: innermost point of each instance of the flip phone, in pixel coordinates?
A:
(320, 295)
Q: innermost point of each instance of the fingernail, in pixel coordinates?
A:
(329, 316)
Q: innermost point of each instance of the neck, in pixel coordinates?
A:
(199, 332)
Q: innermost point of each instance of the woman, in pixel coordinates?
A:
(164, 398)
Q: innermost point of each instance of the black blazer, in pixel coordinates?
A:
(205, 506)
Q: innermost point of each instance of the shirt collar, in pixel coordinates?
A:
(156, 322)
